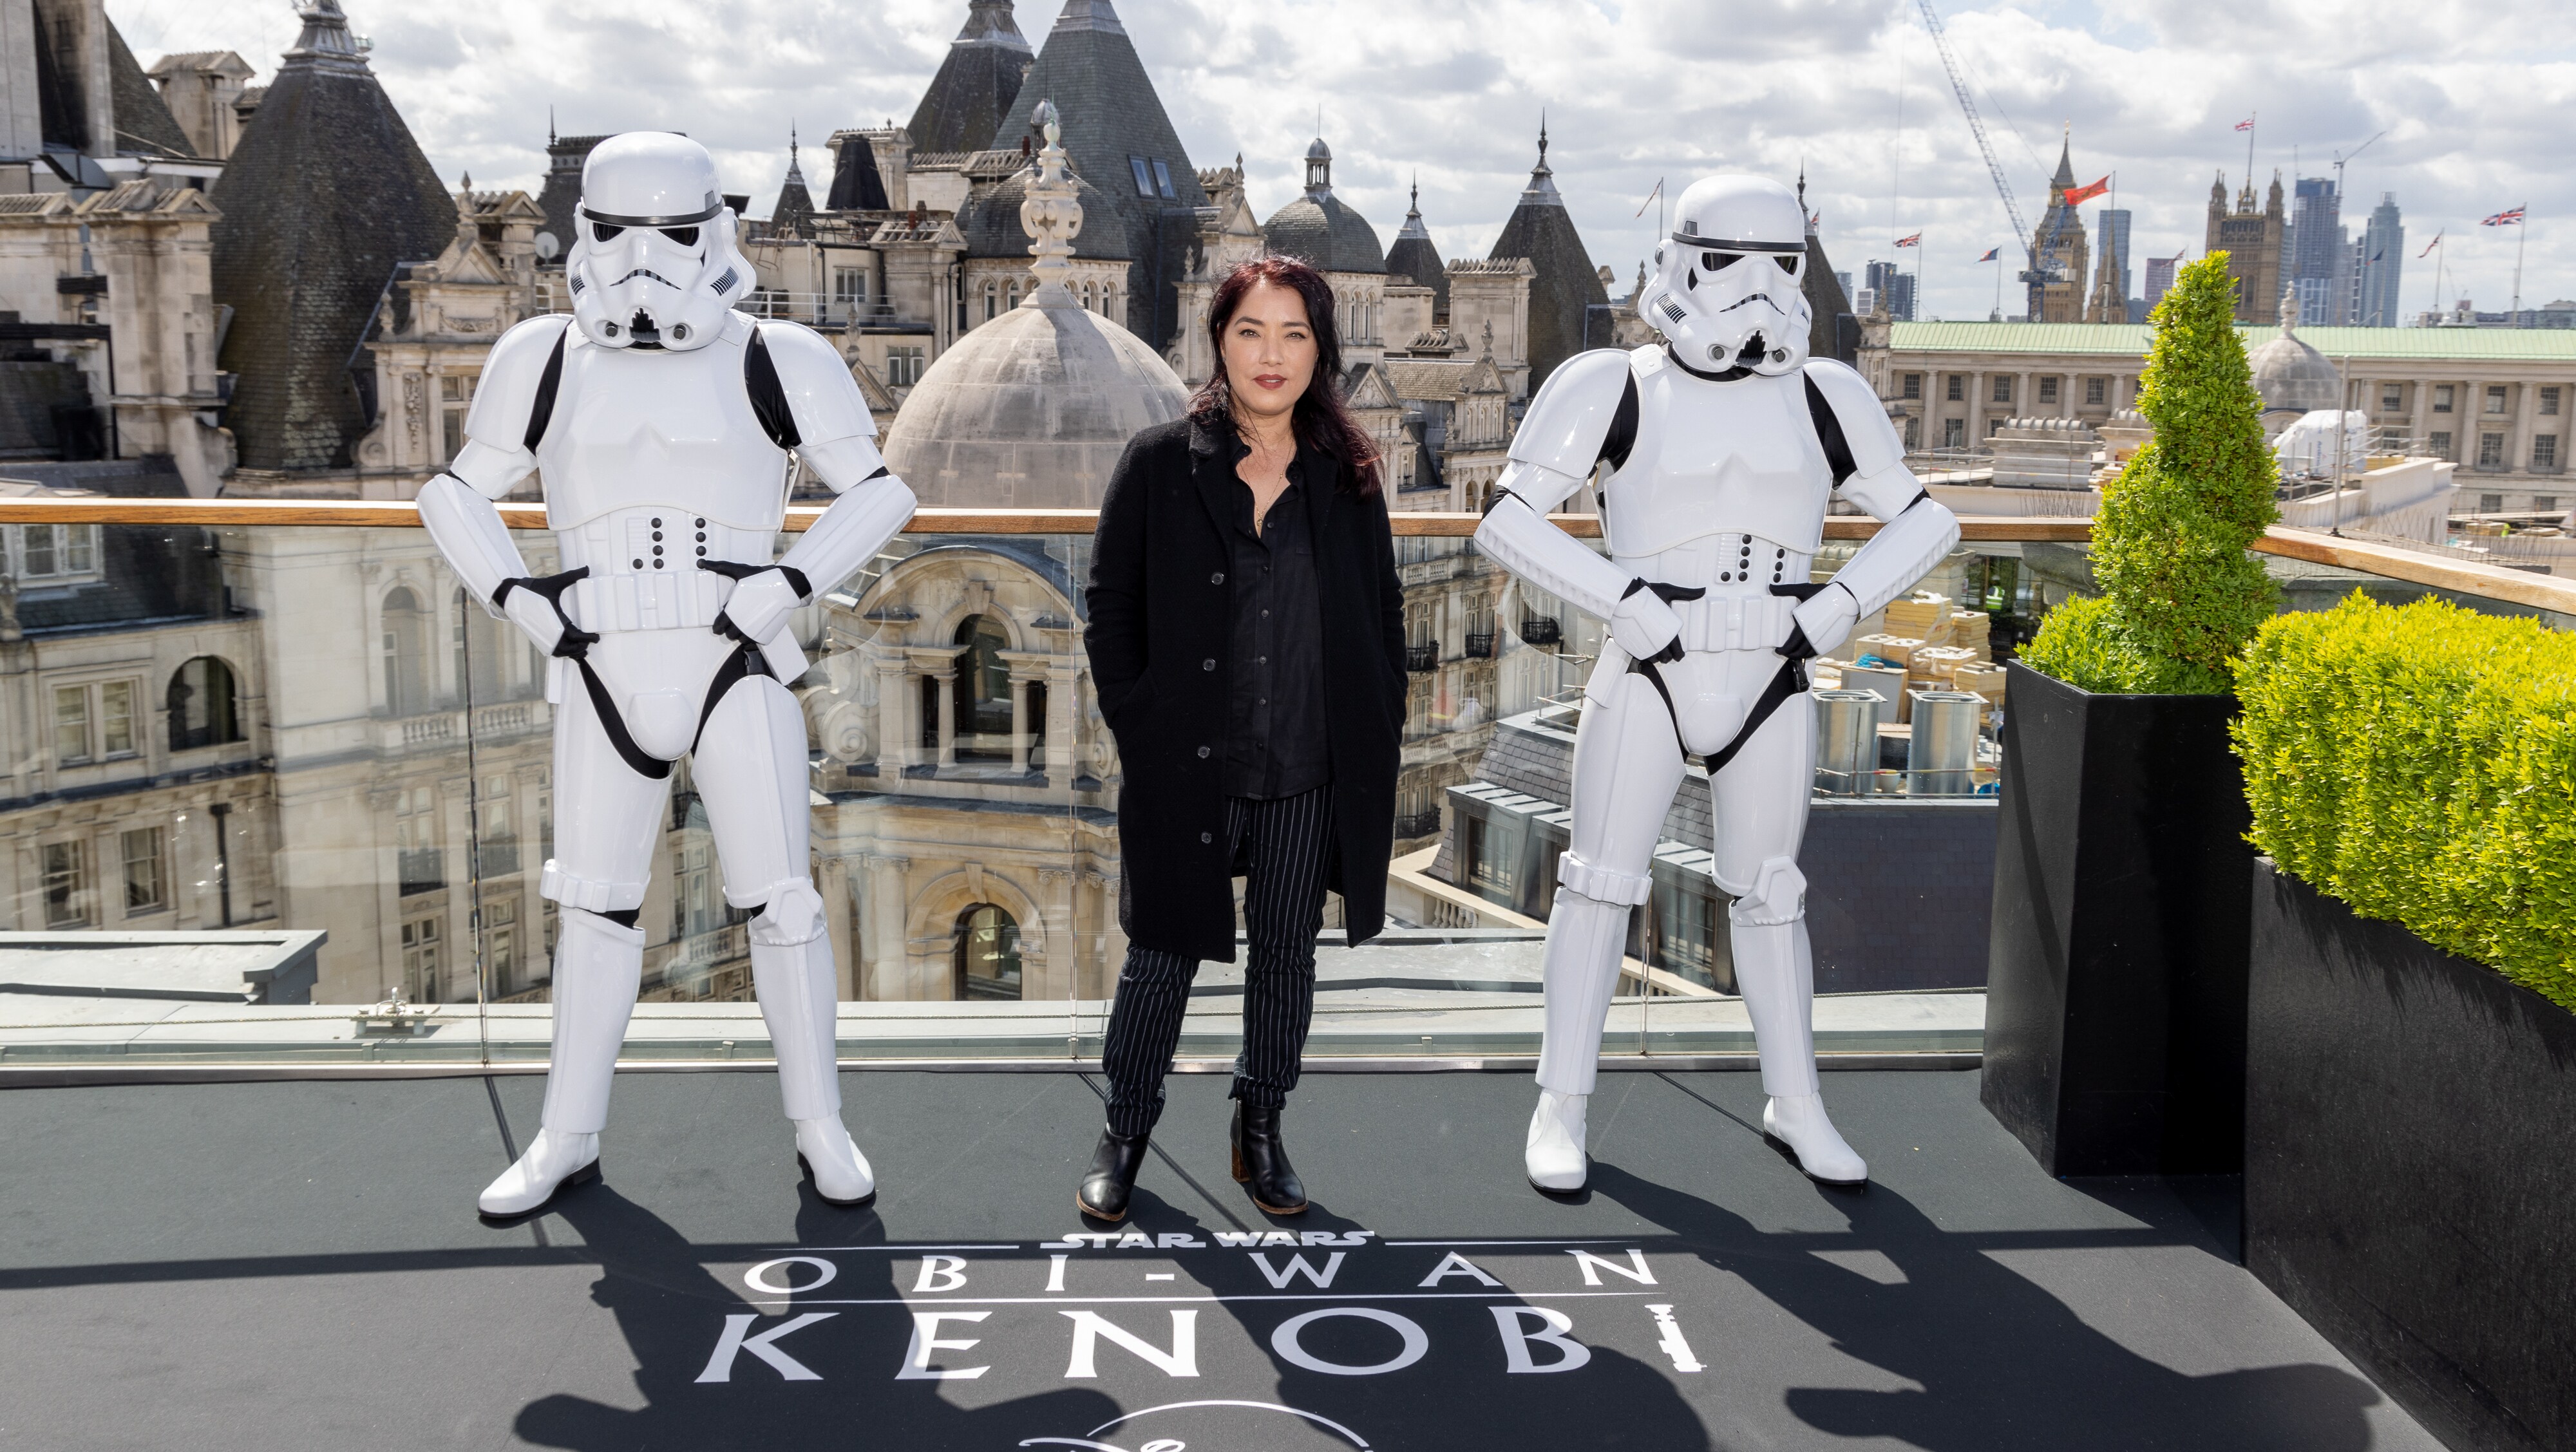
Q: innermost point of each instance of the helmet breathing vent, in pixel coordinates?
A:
(724, 284)
(577, 283)
(1673, 310)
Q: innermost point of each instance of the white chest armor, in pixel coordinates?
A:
(676, 430)
(1737, 459)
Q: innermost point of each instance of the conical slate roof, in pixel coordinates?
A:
(1319, 228)
(1565, 287)
(857, 185)
(795, 205)
(970, 98)
(1414, 259)
(325, 195)
(1111, 114)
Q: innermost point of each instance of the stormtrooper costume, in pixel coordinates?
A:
(663, 421)
(1721, 451)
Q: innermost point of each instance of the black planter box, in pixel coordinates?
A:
(2410, 1166)
(2115, 987)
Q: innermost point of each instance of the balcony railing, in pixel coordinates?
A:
(911, 853)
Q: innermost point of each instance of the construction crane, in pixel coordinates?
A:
(2035, 275)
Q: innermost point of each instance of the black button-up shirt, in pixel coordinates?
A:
(1276, 732)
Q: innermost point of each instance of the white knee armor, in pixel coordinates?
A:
(663, 421)
(1719, 453)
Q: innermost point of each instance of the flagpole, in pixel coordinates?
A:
(2521, 230)
(2250, 119)
(1998, 260)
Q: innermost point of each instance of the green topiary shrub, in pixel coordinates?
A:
(2180, 594)
(2419, 763)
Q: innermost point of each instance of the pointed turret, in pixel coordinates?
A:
(325, 195)
(970, 98)
(1415, 259)
(1565, 288)
(795, 205)
(1121, 141)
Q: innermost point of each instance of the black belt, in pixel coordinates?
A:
(574, 645)
(1788, 681)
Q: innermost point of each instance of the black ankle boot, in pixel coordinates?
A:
(1112, 1176)
(1261, 1161)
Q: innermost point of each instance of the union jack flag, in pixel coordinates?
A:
(2429, 246)
(1914, 241)
(1991, 254)
(2245, 125)
(2504, 219)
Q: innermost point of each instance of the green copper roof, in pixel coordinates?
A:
(2124, 340)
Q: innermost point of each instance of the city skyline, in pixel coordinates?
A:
(2151, 97)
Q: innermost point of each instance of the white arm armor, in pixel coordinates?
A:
(1558, 444)
(837, 440)
(1918, 531)
(456, 506)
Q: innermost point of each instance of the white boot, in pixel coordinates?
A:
(841, 1173)
(1799, 1122)
(1554, 1154)
(553, 1161)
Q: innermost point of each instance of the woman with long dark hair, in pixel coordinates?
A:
(1247, 642)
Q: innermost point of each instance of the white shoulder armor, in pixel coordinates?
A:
(1569, 424)
(821, 395)
(514, 374)
(1879, 482)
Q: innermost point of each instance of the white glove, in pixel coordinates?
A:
(535, 616)
(1643, 625)
(1826, 618)
(760, 605)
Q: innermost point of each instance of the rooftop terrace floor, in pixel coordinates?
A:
(298, 1265)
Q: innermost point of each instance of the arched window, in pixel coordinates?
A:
(476, 638)
(404, 645)
(983, 690)
(988, 953)
(203, 708)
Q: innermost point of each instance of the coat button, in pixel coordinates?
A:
(1217, 579)
(1203, 751)
(1207, 837)
(1209, 664)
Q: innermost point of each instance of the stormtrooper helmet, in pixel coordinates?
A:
(1728, 291)
(653, 261)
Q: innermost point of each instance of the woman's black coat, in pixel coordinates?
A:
(1160, 638)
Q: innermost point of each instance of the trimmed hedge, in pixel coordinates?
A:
(2419, 763)
(2180, 594)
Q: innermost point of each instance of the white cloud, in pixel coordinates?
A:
(1633, 90)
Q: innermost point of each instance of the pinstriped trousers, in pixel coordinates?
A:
(1284, 845)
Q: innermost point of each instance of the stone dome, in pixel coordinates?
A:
(1325, 234)
(1031, 410)
(990, 222)
(2293, 377)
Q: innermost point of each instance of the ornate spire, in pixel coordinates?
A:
(1319, 171)
(1413, 216)
(1050, 211)
(1542, 184)
(795, 173)
(326, 43)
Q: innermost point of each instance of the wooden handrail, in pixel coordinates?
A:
(2487, 582)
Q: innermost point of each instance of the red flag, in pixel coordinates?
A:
(1914, 241)
(2086, 194)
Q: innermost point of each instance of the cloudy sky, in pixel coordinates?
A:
(2473, 100)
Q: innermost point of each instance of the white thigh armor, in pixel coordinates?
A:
(1718, 454)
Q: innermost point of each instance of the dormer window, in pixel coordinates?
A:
(1163, 180)
(1144, 175)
